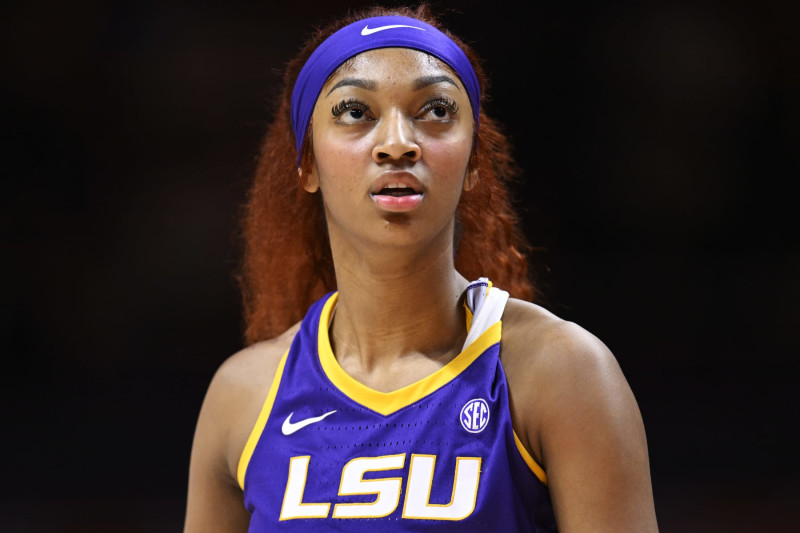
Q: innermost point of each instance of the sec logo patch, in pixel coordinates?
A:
(475, 415)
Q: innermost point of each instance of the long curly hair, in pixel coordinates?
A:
(287, 263)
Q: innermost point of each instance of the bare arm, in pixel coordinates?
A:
(579, 418)
(593, 443)
(215, 501)
(234, 399)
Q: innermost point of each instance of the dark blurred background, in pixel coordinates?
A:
(659, 142)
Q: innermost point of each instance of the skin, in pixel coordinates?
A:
(570, 402)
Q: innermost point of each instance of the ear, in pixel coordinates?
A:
(471, 179)
(311, 182)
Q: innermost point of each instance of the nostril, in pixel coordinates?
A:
(381, 153)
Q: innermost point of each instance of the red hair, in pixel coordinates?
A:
(287, 262)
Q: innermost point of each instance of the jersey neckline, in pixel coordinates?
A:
(387, 403)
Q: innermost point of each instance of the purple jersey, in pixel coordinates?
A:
(330, 454)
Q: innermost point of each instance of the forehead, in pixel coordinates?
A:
(398, 63)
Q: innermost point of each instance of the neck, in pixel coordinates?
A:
(397, 304)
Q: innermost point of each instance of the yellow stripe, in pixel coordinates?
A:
(247, 453)
(389, 402)
(537, 470)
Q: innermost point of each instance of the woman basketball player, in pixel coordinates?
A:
(397, 376)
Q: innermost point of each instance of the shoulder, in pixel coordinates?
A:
(252, 367)
(237, 392)
(535, 339)
(556, 369)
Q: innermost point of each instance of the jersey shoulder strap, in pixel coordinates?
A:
(485, 305)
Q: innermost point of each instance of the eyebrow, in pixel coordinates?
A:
(355, 82)
(370, 85)
(425, 81)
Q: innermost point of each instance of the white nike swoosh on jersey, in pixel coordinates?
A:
(290, 427)
(368, 31)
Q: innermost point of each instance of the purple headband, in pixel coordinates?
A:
(368, 34)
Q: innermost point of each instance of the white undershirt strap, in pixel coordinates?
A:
(487, 304)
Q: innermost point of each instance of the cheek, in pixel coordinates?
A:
(448, 157)
(337, 155)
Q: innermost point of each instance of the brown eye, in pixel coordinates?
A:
(440, 112)
(439, 109)
(350, 111)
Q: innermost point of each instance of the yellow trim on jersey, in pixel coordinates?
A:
(388, 402)
(261, 421)
(537, 470)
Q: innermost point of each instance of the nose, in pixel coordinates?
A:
(396, 139)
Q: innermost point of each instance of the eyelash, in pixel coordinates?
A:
(442, 101)
(347, 105)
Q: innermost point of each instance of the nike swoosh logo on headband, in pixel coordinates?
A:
(369, 31)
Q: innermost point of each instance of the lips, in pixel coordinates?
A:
(397, 192)
(397, 189)
(396, 183)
